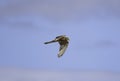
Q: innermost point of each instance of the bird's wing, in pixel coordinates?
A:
(62, 49)
(50, 42)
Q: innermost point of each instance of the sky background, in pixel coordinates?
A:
(93, 27)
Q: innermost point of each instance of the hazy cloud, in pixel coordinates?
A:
(106, 43)
(63, 9)
(42, 75)
(31, 11)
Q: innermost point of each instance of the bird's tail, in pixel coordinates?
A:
(50, 42)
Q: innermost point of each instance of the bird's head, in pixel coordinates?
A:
(63, 37)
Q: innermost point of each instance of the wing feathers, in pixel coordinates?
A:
(62, 50)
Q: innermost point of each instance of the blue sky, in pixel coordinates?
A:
(92, 25)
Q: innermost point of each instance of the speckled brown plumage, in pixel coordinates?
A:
(63, 41)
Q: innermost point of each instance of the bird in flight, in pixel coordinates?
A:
(63, 42)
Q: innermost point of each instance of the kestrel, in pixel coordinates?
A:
(63, 42)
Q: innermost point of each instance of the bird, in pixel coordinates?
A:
(63, 42)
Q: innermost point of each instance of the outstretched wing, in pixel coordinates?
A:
(62, 49)
(50, 42)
